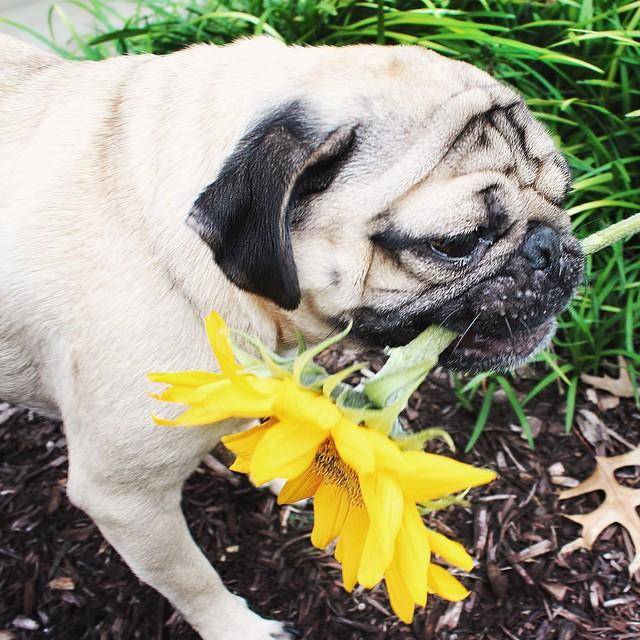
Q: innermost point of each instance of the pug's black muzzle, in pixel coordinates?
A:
(502, 320)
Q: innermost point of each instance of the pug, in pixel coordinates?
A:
(288, 188)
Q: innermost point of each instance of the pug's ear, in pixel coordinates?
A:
(244, 214)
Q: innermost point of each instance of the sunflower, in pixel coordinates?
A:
(330, 442)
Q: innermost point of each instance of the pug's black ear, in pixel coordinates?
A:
(244, 214)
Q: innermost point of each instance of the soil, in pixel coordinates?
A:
(60, 579)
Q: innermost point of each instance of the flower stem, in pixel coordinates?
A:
(407, 367)
(612, 234)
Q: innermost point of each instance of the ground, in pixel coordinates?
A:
(60, 579)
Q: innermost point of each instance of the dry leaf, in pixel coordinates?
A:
(603, 400)
(620, 386)
(619, 505)
(591, 427)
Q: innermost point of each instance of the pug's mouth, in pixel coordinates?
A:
(473, 352)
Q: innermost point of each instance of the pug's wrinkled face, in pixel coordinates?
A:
(399, 189)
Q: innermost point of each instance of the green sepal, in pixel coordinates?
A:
(277, 364)
(331, 382)
(417, 441)
(458, 500)
(313, 376)
(382, 420)
(305, 358)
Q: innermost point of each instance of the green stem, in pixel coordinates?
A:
(407, 366)
(616, 232)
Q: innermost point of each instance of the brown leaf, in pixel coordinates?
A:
(620, 386)
(619, 505)
(591, 427)
(603, 400)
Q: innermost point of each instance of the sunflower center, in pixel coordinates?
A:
(331, 467)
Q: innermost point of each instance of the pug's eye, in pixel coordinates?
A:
(462, 247)
(457, 247)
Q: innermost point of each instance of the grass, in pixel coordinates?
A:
(576, 63)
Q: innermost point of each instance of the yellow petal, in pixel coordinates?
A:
(194, 395)
(384, 502)
(376, 557)
(304, 486)
(330, 509)
(399, 596)
(285, 451)
(195, 417)
(442, 583)
(185, 378)
(412, 554)
(244, 443)
(388, 457)
(222, 403)
(353, 446)
(305, 407)
(218, 334)
(427, 476)
(241, 464)
(350, 543)
(449, 550)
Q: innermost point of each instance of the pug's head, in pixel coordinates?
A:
(395, 188)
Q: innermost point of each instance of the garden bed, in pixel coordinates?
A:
(60, 575)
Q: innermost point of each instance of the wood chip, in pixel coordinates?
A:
(480, 529)
(536, 425)
(567, 631)
(616, 602)
(556, 469)
(451, 617)
(522, 572)
(62, 583)
(538, 549)
(556, 590)
(28, 624)
(565, 481)
(595, 595)
(498, 580)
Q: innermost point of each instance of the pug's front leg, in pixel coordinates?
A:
(140, 515)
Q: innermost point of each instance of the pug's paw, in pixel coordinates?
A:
(236, 621)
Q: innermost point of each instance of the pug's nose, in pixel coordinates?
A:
(541, 247)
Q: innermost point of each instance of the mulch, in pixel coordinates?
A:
(59, 578)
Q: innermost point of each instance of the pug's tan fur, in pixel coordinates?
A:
(102, 281)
